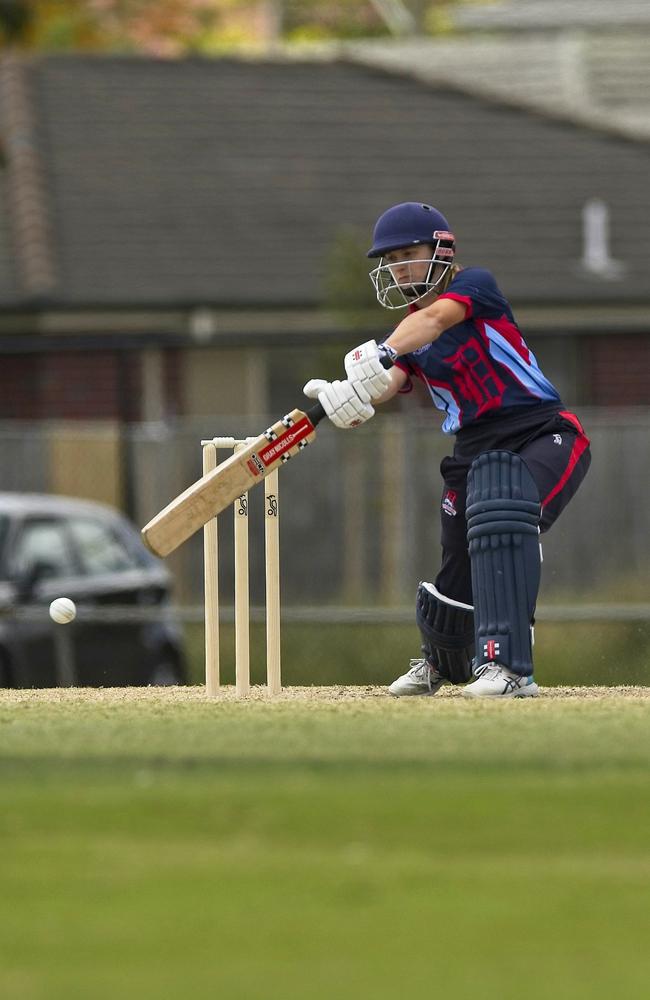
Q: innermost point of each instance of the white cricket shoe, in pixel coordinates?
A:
(421, 678)
(495, 681)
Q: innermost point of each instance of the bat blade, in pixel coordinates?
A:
(215, 491)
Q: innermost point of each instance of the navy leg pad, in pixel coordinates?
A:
(447, 629)
(503, 512)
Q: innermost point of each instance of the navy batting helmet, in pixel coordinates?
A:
(406, 225)
(410, 224)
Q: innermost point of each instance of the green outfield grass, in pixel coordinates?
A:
(330, 844)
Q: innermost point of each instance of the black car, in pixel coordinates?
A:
(125, 631)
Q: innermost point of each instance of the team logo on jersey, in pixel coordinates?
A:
(449, 503)
(557, 439)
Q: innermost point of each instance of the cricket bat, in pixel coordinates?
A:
(215, 491)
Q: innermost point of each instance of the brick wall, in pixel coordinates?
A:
(173, 383)
(19, 395)
(619, 369)
(107, 385)
(70, 385)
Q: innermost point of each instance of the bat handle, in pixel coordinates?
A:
(316, 413)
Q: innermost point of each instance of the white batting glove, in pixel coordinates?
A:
(345, 404)
(364, 367)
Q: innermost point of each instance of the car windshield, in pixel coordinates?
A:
(99, 549)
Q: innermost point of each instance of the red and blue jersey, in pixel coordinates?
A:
(482, 364)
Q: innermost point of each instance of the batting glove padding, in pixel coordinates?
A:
(364, 367)
(345, 404)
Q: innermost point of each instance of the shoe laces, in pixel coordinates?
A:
(487, 670)
(421, 670)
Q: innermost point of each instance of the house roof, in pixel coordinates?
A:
(527, 14)
(148, 182)
(593, 78)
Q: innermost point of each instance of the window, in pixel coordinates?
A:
(43, 542)
(100, 549)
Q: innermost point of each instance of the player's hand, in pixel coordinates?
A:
(366, 366)
(346, 405)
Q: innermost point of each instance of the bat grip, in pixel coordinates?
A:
(315, 413)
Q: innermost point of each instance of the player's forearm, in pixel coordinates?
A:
(398, 380)
(416, 330)
(426, 325)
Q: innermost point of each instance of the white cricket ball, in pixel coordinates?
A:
(63, 610)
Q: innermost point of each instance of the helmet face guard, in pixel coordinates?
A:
(403, 282)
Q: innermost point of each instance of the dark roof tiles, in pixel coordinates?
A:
(228, 182)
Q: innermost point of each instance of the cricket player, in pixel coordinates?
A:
(517, 459)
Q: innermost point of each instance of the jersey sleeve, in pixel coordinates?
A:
(477, 290)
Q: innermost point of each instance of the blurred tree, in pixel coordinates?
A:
(177, 27)
(16, 18)
(348, 291)
(315, 20)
